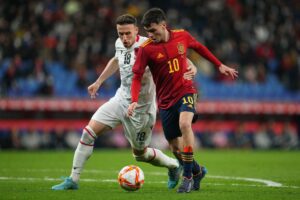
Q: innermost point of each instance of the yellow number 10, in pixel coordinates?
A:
(174, 65)
(189, 100)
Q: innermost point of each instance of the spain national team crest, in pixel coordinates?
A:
(180, 48)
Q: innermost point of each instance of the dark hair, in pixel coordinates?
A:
(126, 19)
(153, 15)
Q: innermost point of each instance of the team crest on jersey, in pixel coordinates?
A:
(180, 48)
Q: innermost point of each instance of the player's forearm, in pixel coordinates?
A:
(203, 51)
(111, 67)
(135, 87)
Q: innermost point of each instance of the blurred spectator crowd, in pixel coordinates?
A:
(265, 137)
(58, 138)
(56, 48)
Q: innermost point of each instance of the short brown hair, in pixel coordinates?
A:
(126, 19)
(153, 15)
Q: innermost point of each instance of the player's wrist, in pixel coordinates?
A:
(98, 83)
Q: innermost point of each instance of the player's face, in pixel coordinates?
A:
(157, 32)
(127, 33)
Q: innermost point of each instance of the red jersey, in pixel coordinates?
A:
(167, 62)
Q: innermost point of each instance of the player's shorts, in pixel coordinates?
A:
(170, 116)
(137, 128)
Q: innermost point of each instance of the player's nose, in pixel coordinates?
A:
(124, 41)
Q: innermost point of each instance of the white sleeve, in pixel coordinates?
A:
(117, 53)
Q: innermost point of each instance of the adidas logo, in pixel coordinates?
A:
(159, 55)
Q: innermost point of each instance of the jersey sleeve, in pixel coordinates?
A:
(201, 49)
(138, 70)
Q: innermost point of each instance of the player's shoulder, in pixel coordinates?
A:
(177, 30)
(118, 43)
(142, 39)
(146, 43)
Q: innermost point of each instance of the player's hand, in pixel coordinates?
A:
(92, 89)
(131, 109)
(228, 71)
(190, 74)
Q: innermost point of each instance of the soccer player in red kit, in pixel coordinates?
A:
(165, 54)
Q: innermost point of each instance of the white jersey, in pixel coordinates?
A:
(137, 128)
(126, 60)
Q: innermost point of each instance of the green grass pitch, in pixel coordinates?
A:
(232, 174)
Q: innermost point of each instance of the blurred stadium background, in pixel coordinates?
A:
(51, 50)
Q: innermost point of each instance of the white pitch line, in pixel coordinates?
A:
(115, 181)
(267, 183)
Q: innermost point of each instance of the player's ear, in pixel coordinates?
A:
(136, 29)
(164, 24)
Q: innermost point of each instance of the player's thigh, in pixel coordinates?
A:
(187, 110)
(170, 123)
(108, 116)
(185, 120)
(138, 130)
(98, 127)
(187, 103)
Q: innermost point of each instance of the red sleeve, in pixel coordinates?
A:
(135, 88)
(138, 70)
(202, 50)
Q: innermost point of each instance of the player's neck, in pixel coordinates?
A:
(166, 36)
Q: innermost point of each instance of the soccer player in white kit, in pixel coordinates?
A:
(137, 128)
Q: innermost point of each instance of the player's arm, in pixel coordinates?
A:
(111, 67)
(203, 51)
(192, 70)
(138, 70)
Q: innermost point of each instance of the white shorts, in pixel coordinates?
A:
(137, 128)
